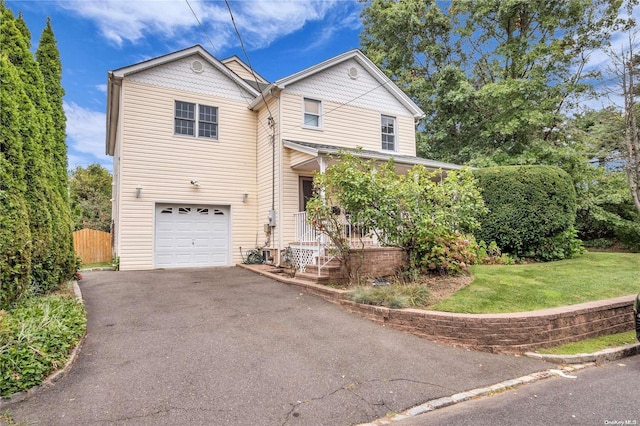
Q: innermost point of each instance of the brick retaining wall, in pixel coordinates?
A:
(373, 262)
(500, 333)
(508, 333)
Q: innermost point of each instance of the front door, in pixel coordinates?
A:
(306, 191)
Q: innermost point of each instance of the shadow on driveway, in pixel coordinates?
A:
(225, 346)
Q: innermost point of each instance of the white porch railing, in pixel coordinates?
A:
(305, 232)
(357, 235)
(310, 243)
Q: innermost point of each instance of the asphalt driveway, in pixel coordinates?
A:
(224, 346)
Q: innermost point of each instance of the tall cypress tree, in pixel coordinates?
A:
(48, 59)
(36, 148)
(15, 236)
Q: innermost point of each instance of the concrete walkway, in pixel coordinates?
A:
(224, 346)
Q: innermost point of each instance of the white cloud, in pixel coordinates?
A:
(101, 88)
(260, 22)
(85, 134)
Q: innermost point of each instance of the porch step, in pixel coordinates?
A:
(328, 261)
(312, 277)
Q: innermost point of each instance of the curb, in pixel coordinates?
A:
(56, 375)
(446, 401)
(605, 355)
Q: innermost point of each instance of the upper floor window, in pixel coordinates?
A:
(186, 121)
(388, 125)
(312, 113)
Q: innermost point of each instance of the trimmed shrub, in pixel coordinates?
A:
(396, 296)
(532, 211)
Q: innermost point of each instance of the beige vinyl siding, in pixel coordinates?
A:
(298, 157)
(241, 71)
(164, 164)
(345, 126)
(290, 197)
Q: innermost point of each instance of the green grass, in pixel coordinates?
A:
(592, 345)
(518, 288)
(96, 265)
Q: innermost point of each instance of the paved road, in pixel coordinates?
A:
(598, 396)
(224, 346)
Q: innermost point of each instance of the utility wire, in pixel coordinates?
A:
(240, 89)
(235, 27)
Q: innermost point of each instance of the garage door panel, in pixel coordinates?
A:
(191, 236)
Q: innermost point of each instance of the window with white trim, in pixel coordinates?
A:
(388, 131)
(312, 113)
(186, 121)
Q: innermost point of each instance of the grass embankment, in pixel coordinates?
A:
(36, 338)
(518, 288)
(592, 345)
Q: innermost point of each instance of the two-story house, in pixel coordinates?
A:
(212, 160)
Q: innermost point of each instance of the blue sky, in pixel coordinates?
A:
(95, 36)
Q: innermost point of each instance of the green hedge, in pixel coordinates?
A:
(532, 211)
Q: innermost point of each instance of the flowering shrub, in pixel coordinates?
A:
(450, 255)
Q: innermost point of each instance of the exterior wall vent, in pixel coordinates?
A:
(353, 73)
(197, 66)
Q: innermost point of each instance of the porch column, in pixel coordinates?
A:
(322, 240)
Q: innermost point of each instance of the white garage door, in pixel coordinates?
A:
(191, 235)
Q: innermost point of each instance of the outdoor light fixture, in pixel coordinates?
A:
(195, 182)
(245, 195)
(138, 191)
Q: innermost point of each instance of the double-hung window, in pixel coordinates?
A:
(388, 130)
(186, 121)
(312, 113)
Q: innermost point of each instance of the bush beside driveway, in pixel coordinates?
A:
(226, 346)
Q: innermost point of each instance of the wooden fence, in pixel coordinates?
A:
(92, 246)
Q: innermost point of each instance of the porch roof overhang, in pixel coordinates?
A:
(316, 151)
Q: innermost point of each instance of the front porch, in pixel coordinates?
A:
(310, 254)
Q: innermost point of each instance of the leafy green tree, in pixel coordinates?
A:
(15, 238)
(90, 190)
(625, 67)
(414, 212)
(493, 76)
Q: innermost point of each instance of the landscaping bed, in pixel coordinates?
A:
(37, 337)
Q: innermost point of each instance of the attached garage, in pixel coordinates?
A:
(191, 235)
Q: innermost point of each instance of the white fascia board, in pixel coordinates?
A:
(301, 148)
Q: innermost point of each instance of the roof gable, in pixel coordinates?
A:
(181, 54)
(243, 70)
(354, 57)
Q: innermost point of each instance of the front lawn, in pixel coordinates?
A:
(517, 288)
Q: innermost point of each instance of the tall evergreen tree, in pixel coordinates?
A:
(37, 146)
(15, 237)
(48, 58)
